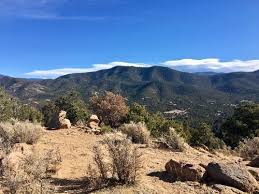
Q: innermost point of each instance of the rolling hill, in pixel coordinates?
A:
(204, 97)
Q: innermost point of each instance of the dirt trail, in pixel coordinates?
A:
(76, 146)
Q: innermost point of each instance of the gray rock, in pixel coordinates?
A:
(255, 162)
(230, 174)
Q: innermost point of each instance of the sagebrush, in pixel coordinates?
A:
(30, 172)
(20, 132)
(122, 163)
(137, 132)
(173, 141)
(249, 148)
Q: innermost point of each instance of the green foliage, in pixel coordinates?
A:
(156, 123)
(204, 136)
(75, 107)
(10, 108)
(71, 103)
(50, 115)
(106, 129)
(29, 113)
(137, 113)
(244, 123)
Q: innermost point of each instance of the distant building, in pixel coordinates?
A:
(174, 113)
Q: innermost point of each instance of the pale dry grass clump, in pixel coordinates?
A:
(31, 173)
(249, 148)
(20, 132)
(117, 160)
(137, 132)
(173, 141)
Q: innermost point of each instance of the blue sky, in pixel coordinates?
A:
(49, 38)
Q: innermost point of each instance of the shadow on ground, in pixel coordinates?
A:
(163, 175)
(79, 186)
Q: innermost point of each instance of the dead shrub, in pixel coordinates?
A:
(20, 132)
(137, 132)
(122, 162)
(249, 148)
(31, 173)
(172, 141)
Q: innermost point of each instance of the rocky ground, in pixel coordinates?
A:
(75, 147)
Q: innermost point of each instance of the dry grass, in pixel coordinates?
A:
(249, 148)
(137, 132)
(122, 163)
(173, 141)
(20, 132)
(31, 173)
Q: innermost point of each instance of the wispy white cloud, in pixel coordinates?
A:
(213, 64)
(53, 73)
(188, 65)
(39, 9)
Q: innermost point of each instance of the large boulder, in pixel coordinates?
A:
(185, 171)
(63, 122)
(231, 174)
(255, 162)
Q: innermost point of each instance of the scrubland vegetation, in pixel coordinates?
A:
(117, 159)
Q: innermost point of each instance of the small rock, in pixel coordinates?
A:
(185, 171)
(255, 162)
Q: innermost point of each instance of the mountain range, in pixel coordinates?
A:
(204, 96)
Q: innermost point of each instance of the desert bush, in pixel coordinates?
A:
(20, 132)
(137, 132)
(74, 106)
(137, 113)
(122, 162)
(11, 108)
(249, 148)
(244, 123)
(31, 173)
(111, 108)
(173, 141)
(29, 113)
(203, 135)
(50, 115)
(106, 129)
(156, 123)
(71, 103)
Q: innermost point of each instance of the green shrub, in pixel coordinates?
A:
(50, 115)
(75, 107)
(244, 123)
(156, 123)
(204, 136)
(137, 113)
(71, 103)
(29, 113)
(106, 129)
(11, 108)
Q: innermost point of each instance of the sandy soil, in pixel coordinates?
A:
(75, 147)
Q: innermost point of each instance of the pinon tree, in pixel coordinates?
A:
(111, 108)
